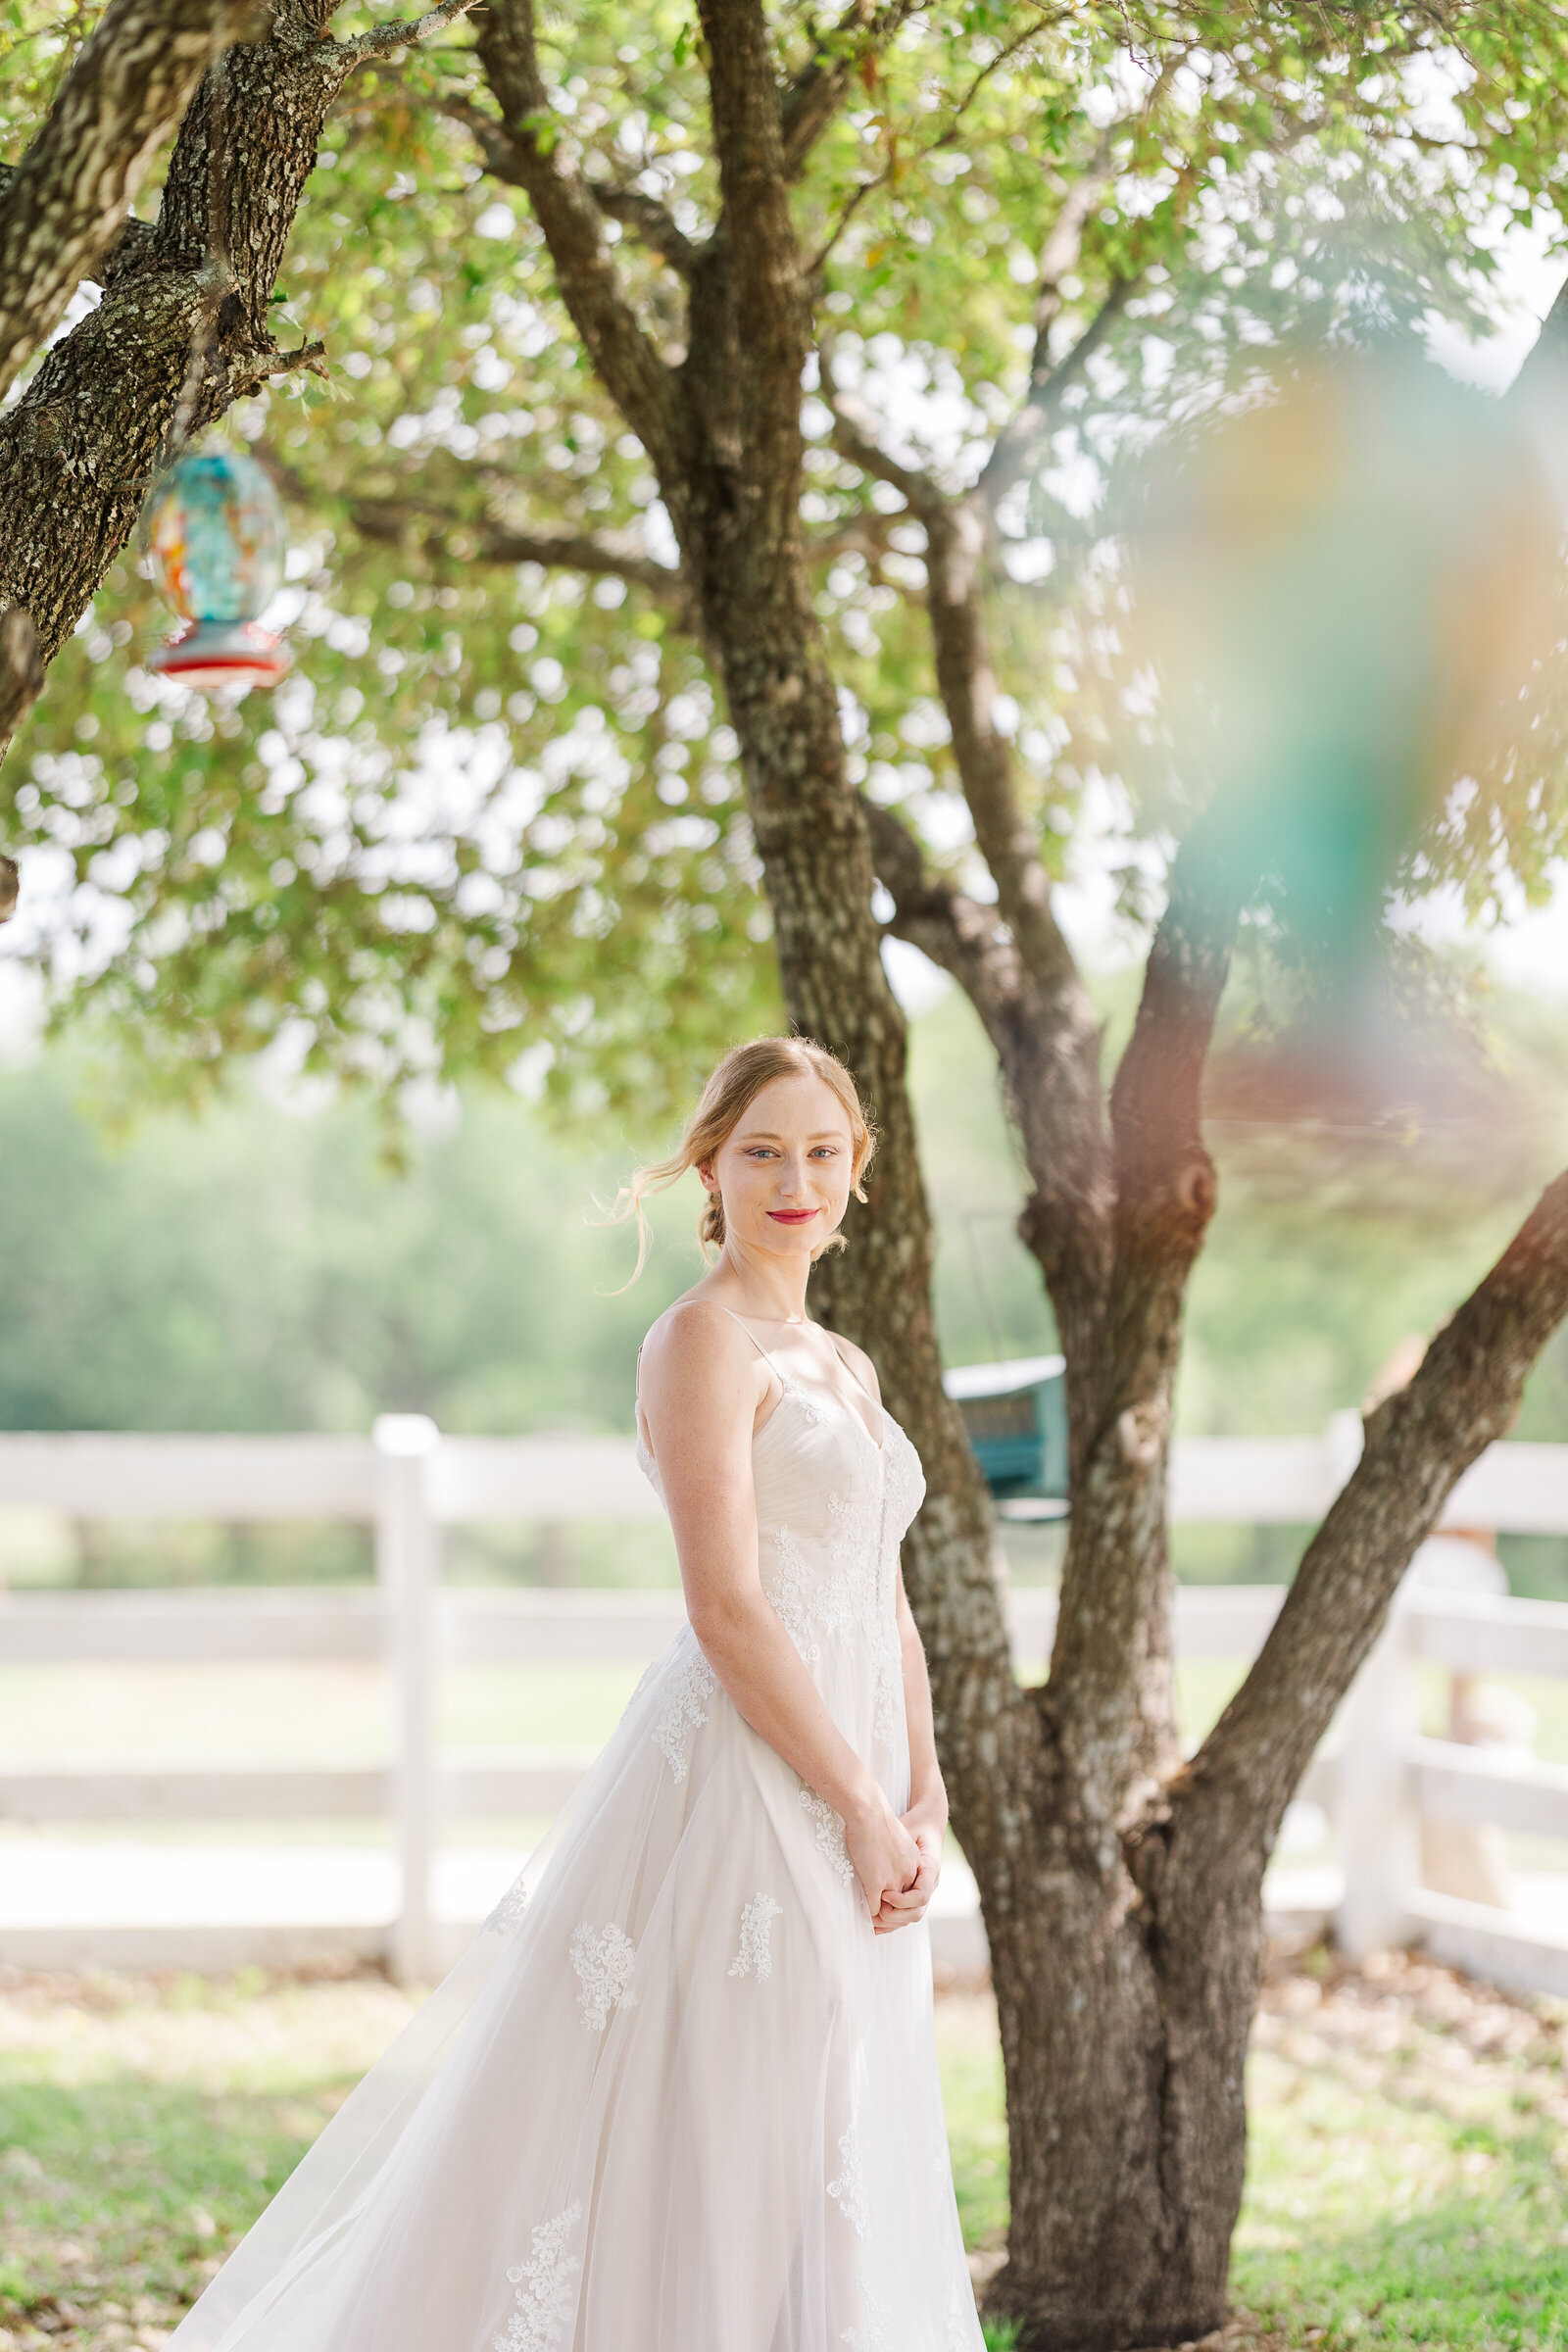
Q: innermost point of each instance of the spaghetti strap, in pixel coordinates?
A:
(755, 1341)
(849, 1369)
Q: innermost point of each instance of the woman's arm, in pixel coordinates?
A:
(926, 1791)
(927, 1817)
(702, 1385)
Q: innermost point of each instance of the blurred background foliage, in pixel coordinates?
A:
(493, 827)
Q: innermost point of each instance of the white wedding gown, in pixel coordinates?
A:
(679, 2098)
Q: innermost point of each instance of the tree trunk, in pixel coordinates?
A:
(1124, 2050)
(180, 332)
(1126, 1992)
(739, 523)
(65, 203)
(723, 431)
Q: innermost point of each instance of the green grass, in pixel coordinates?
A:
(141, 2133)
(1408, 2188)
(1408, 2183)
(977, 2132)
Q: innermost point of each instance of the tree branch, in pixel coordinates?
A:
(184, 327)
(846, 211)
(1022, 440)
(1044, 1028)
(854, 437)
(649, 222)
(818, 91)
(1003, 56)
(568, 218)
(766, 282)
(959, 934)
(390, 40)
(948, 137)
(956, 551)
(1114, 1623)
(64, 203)
(1419, 1444)
(307, 357)
(863, 532)
(1154, 1099)
(501, 157)
(1017, 966)
(488, 539)
(1021, 443)
(132, 251)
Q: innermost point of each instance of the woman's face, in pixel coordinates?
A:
(784, 1171)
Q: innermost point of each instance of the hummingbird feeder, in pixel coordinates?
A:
(215, 535)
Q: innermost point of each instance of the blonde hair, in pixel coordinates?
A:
(725, 1099)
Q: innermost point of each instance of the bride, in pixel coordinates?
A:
(681, 2095)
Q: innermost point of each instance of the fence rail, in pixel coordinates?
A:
(1376, 1778)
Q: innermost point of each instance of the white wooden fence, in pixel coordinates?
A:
(1376, 1778)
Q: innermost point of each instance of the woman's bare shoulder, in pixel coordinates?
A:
(696, 1337)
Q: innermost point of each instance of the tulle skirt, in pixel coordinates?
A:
(679, 2098)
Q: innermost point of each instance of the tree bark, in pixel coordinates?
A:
(182, 331)
(65, 203)
(21, 673)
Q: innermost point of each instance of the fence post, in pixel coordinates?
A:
(408, 1565)
(1379, 1834)
(1375, 1825)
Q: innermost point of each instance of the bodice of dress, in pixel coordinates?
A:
(832, 1508)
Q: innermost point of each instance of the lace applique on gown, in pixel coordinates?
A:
(681, 2099)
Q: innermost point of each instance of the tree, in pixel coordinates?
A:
(1159, 182)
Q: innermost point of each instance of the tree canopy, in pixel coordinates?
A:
(497, 811)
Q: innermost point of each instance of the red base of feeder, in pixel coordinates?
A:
(212, 654)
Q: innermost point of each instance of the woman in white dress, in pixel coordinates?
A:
(681, 2095)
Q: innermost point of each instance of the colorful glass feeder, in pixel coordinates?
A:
(215, 535)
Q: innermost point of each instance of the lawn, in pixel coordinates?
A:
(1408, 2183)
